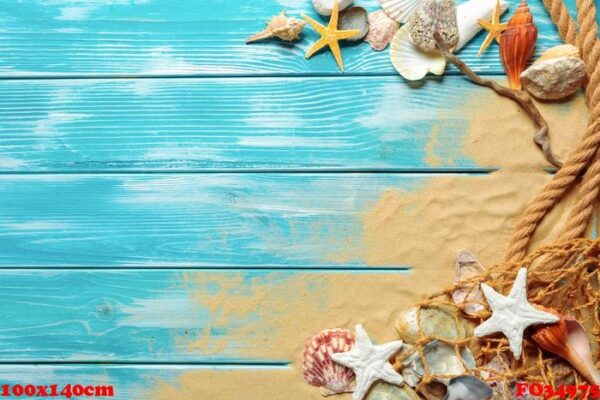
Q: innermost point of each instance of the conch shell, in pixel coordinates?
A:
(517, 43)
(567, 338)
(282, 27)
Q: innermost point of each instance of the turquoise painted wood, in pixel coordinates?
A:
(138, 382)
(360, 123)
(156, 315)
(216, 220)
(173, 37)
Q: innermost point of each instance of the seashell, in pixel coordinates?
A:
(563, 50)
(325, 7)
(318, 367)
(385, 391)
(381, 30)
(412, 63)
(281, 27)
(468, 296)
(354, 18)
(438, 321)
(554, 78)
(517, 43)
(467, 387)
(469, 12)
(399, 10)
(430, 17)
(567, 338)
(442, 361)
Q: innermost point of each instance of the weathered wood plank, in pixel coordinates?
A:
(197, 316)
(218, 124)
(185, 219)
(170, 37)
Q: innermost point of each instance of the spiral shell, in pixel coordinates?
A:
(282, 27)
(517, 43)
(318, 367)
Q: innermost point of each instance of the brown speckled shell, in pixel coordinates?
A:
(517, 43)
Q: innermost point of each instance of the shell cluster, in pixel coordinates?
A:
(412, 62)
(318, 367)
(557, 74)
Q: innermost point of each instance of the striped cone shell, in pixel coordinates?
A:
(318, 367)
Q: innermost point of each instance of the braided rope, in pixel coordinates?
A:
(581, 158)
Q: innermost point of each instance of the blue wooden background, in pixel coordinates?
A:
(161, 181)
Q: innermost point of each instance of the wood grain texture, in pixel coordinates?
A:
(256, 317)
(225, 124)
(173, 37)
(186, 219)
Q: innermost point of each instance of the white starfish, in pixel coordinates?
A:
(369, 362)
(512, 314)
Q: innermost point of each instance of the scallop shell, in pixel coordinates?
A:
(563, 50)
(399, 10)
(434, 16)
(436, 321)
(381, 30)
(318, 367)
(412, 63)
(468, 296)
(354, 18)
(325, 7)
(467, 387)
(467, 15)
(385, 391)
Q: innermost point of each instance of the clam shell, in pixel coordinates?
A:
(434, 16)
(554, 78)
(385, 391)
(399, 10)
(469, 12)
(468, 296)
(317, 365)
(441, 360)
(381, 30)
(438, 321)
(412, 63)
(354, 18)
(563, 50)
(325, 7)
(467, 387)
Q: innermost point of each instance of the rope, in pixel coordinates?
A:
(582, 161)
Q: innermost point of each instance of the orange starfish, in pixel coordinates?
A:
(330, 35)
(494, 28)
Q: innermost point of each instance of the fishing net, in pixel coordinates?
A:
(571, 290)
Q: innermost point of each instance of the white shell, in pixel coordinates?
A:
(325, 7)
(467, 15)
(410, 61)
(562, 50)
(399, 10)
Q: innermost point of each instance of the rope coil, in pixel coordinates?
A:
(584, 162)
